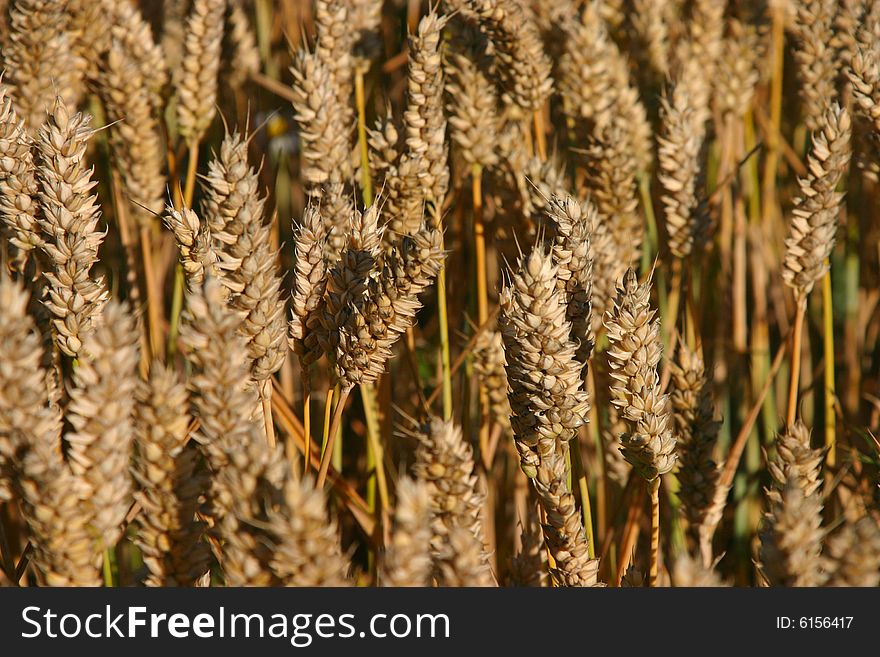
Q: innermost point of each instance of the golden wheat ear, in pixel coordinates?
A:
(69, 222)
(544, 373)
(171, 482)
(445, 463)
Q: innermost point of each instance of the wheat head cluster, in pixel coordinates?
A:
(439, 293)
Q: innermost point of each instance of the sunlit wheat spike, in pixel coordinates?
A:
(69, 215)
(814, 220)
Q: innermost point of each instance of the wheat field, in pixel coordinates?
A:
(448, 293)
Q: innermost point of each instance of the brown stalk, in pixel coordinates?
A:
(796, 340)
(655, 531)
(331, 436)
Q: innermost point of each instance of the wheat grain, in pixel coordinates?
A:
(529, 567)
(680, 146)
(548, 404)
(240, 53)
(853, 554)
(815, 59)
(309, 285)
(697, 434)
(26, 415)
(422, 173)
(325, 151)
(791, 539)
(136, 39)
(233, 210)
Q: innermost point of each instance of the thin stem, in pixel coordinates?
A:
(479, 243)
(540, 137)
(154, 315)
(375, 441)
(328, 410)
(360, 100)
(327, 456)
(177, 294)
(336, 454)
(266, 399)
(649, 249)
(307, 413)
(795, 361)
(654, 487)
(772, 158)
(443, 319)
(828, 347)
(191, 168)
(176, 307)
(673, 304)
(482, 294)
(581, 476)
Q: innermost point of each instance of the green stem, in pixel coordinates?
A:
(108, 569)
(176, 307)
(374, 441)
(651, 246)
(583, 488)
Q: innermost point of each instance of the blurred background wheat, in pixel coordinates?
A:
(459, 293)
